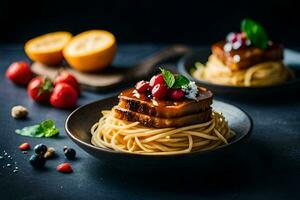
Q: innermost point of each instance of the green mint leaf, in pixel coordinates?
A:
(47, 124)
(168, 77)
(49, 129)
(51, 132)
(31, 131)
(180, 81)
(255, 33)
(44, 129)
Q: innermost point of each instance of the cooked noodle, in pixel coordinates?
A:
(262, 74)
(132, 137)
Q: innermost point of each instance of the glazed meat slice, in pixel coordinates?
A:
(246, 57)
(140, 103)
(158, 122)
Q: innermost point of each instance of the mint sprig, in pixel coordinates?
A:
(168, 77)
(181, 81)
(44, 129)
(255, 33)
(174, 81)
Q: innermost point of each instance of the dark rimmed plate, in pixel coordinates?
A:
(79, 122)
(292, 59)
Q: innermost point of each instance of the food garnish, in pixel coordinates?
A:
(177, 94)
(48, 48)
(191, 90)
(64, 168)
(174, 81)
(39, 89)
(255, 33)
(142, 86)
(252, 34)
(159, 91)
(49, 153)
(44, 129)
(40, 149)
(168, 85)
(19, 112)
(25, 146)
(42, 153)
(63, 96)
(37, 161)
(19, 73)
(69, 153)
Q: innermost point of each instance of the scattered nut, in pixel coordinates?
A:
(19, 112)
(50, 152)
(65, 147)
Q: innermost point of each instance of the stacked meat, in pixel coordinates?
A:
(163, 113)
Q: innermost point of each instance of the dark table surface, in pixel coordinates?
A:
(268, 167)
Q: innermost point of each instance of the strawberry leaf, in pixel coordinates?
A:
(47, 86)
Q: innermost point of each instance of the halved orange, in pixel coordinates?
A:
(47, 48)
(90, 51)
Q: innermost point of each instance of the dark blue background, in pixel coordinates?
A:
(267, 167)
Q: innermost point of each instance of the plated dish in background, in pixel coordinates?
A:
(247, 58)
(246, 61)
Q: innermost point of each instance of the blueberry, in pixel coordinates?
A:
(69, 153)
(37, 161)
(40, 149)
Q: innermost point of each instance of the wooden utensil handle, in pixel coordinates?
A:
(144, 68)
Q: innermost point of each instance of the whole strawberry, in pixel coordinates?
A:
(63, 96)
(39, 89)
(66, 77)
(19, 73)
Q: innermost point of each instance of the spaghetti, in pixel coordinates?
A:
(132, 137)
(262, 74)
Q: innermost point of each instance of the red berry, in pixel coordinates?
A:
(24, 146)
(39, 89)
(159, 91)
(142, 86)
(177, 94)
(66, 77)
(63, 96)
(158, 79)
(64, 168)
(233, 37)
(243, 38)
(237, 38)
(19, 73)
